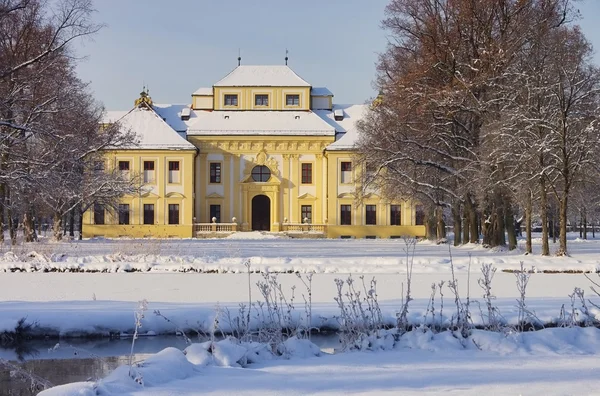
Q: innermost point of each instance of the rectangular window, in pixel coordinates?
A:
(173, 171)
(307, 173)
(371, 215)
(215, 212)
(215, 172)
(98, 166)
(395, 215)
(346, 172)
(292, 100)
(306, 213)
(231, 100)
(148, 213)
(261, 100)
(173, 213)
(124, 165)
(419, 215)
(123, 214)
(98, 214)
(345, 214)
(149, 172)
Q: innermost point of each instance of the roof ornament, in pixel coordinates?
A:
(239, 57)
(286, 56)
(144, 100)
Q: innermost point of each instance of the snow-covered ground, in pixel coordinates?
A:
(553, 361)
(277, 254)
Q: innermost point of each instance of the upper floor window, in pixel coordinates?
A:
(231, 100)
(261, 173)
(346, 172)
(98, 166)
(261, 100)
(395, 215)
(307, 173)
(124, 165)
(292, 100)
(215, 172)
(149, 172)
(174, 172)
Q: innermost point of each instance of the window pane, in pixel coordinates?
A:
(231, 100)
(123, 214)
(345, 214)
(346, 172)
(292, 100)
(261, 100)
(371, 215)
(395, 215)
(148, 165)
(173, 171)
(98, 214)
(123, 165)
(148, 213)
(306, 212)
(215, 212)
(419, 215)
(173, 213)
(306, 173)
(215, 172)
(261, 173)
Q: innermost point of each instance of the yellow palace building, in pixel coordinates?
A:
(260, 150)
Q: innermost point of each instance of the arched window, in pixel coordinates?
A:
(261, 173)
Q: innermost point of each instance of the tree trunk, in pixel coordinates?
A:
(465, 225)
(509, 224)
(544, 217)
(72, 223)
(584, 223)
(528, 215)
(12, 228)
(431, 223)
(80, 222)
(2, 200)
(499, 226)
(580, 223)
(474, 234)
(457, 224)
(562, 249)
(57, 226)
(28, 226)
(440, 225)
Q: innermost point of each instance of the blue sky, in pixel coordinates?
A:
(178, 46)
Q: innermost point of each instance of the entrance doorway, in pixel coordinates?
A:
(261, 213)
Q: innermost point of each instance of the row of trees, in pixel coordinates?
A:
(50, 141)
(489, 110)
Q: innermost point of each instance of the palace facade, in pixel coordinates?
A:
(262, 150)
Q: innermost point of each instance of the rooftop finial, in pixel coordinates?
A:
(239, 57)
(286, 56)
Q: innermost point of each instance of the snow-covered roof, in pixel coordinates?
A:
(152, 131)
(204, 91)
(262, 76)
(171, 113)
(320, 91)
(285, 123)
(346, 131)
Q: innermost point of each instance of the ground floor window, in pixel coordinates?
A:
(99, 214)
(395, 215)
(215, 212)
(306, 213)
(148, 213)
(123, 214)
(345, 214)
(371, 215)
(173, 213)
(419, 215)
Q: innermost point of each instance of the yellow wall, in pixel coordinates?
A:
(246, 95)
(161, 193)
(202, 102)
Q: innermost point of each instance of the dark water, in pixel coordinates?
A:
(84, 360)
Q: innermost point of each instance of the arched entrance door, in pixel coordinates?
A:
(261, 213)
